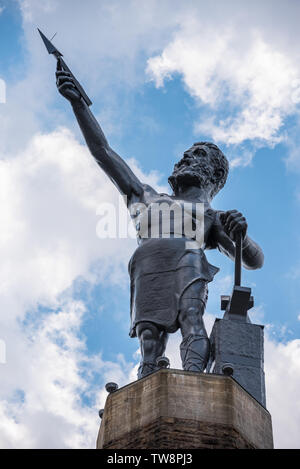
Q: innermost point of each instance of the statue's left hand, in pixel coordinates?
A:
(233, 222)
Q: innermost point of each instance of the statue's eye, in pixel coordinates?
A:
(199, 152)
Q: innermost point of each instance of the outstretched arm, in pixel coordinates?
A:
(226, 226)
(113, 165)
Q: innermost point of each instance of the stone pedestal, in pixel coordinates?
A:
(174, 409)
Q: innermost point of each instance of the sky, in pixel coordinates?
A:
(162, 75)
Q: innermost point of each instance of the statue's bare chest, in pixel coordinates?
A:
(162, 215)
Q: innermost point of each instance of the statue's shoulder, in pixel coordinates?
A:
(149, 189)
(145, 196)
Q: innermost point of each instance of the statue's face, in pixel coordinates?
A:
(194, 169)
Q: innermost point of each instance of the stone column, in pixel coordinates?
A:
(174, 409)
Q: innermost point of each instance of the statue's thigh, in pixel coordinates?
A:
(197, 290)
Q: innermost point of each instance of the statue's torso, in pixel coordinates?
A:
(166, 216)
(167, 264)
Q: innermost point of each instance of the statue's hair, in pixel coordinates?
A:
(219, 161)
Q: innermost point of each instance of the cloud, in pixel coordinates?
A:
(50, 192)
(244, 77)
(253, 87)
(118, 37)
(46, 378)
(51, 187)
(282, 368)
(293, 144)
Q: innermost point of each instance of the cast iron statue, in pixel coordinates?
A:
(168, 278)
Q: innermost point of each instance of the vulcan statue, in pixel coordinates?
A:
(169, 275)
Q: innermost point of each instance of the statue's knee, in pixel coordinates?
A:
(190, 314)
(147, 335)
(146, 331)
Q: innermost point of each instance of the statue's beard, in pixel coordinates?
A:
(199, 176)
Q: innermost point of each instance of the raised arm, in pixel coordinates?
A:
(224, 229)
(113, 165)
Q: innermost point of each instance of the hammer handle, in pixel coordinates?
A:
(238, 259)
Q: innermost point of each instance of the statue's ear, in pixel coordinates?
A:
(218, 174)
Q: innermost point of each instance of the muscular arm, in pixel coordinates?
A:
(252, 255)
(111, 163)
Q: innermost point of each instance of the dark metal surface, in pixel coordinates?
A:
(239, 347)
(238, 259)
(163, 362)
(111, 387)
(49, 46)
(228, 369)
(238, 304)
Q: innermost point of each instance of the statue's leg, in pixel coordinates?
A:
(194, 349)
(153, 342)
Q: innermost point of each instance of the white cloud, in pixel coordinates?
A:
(47, 373)
(293, 142)
(116, 35)
(240, 63)
(249, 80)
(282, 368)
(49, 195)
(50, 188)
(50, 191)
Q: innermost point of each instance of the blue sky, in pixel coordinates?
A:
(160, 78)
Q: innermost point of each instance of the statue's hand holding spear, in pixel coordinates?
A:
(109, 161)
(67, 84)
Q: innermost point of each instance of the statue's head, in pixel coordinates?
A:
(203, 165)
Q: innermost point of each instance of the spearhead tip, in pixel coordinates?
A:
(49, 46)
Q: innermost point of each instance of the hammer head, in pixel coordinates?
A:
(237, 305)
